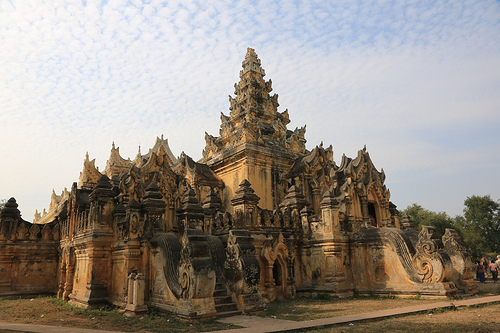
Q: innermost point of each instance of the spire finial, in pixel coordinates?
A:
(252, 64)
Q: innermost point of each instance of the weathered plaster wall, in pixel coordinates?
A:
(28, 268)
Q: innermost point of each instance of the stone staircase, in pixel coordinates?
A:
(224, 304)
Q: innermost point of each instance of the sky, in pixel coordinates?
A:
(417, 82)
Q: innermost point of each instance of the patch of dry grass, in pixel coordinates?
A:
(55, 312)
(484, 319)
(300, 309)
(480, 319)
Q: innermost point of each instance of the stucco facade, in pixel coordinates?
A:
(259, 217)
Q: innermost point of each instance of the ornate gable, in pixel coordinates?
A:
(156, 170)
(161, 148)
(116, 164)
(363, 173)
(89, 175)
(196, 173)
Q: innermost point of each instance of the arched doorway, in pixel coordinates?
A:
(280, 276)
(372, 214)
(274, 261)
(277, 274)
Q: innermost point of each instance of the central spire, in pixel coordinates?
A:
(254, 118)
(252, 93)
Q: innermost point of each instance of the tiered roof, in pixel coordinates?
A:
(254, 117)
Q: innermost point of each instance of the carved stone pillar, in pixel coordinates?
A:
(291, 290)
(9, 219)
(212, 206)
(62, 281)
(96, 293)
(305, 213)
(155, 207)
(329, 214)
(135, 300)
(316, 194)
(245, 205)
(190, 215)
(68, 285)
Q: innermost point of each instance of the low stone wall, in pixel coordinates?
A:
(27, 269)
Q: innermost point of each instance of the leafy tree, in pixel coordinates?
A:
(421, 216)
(480, 225)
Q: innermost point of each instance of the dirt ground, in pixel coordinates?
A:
(485, 319)
(52, 311)
(55, 312)
(480, 319)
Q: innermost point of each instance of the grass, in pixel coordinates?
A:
(483, 319)
(322, 306)
(477, 319)
(55, 312)
(302, 308)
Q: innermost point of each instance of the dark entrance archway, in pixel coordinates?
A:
(372, 214)
(278, 274)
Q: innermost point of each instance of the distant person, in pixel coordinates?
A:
(480, 272)
(494, 270)
(497, 263)
(486, 265)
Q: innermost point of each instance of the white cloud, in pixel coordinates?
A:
(398, 77)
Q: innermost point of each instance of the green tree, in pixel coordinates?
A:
(421, 216)
(480, 225)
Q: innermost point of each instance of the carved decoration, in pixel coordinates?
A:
(430, 259)
(242, 268)
(452, 241)
(196, 271)
(90, 175)
(272, 247)
(462, 264)
(170, 248)
(254, 117)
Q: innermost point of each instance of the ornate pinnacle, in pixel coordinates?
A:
(252, 64)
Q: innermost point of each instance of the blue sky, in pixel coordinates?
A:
(418, 82)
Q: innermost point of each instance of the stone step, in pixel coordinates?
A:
(223, 300)
(219, 296)
(228, 313)
(220, 292)
(224, 304)
(224, 307)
